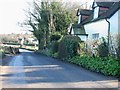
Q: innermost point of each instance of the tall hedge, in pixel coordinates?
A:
(69, 46)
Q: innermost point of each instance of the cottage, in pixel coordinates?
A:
(101, 21)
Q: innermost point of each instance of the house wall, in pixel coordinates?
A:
(114, 23)
(100, 27)
(114, 27)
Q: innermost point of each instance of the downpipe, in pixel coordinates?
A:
(108, 35)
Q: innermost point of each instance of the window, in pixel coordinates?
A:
(96, 10)
(95, 36)
(79, 19)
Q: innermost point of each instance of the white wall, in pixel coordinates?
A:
(100, 27)
(114, 23)
(114, 27)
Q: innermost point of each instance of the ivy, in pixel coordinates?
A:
(107, 65)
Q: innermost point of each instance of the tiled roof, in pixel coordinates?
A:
(86, 12)
(105, 4)
(108, 14)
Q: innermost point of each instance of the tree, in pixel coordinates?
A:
(46, 19)
(61, 18)
(39, 20)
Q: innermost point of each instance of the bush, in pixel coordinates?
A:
(69, 46)
(103, 49)
(55, 45)
(47, 52)
(55, 37)
(107, 65)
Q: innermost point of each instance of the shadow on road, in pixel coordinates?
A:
(56, 74)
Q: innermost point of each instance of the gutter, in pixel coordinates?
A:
(108, 33)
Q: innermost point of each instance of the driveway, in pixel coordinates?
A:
(31, 70)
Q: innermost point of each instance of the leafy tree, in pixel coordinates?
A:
(39, 20)
(61, 18)
(46, 19)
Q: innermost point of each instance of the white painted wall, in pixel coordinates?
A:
(114, 23)
(100, 27)
(114, 27)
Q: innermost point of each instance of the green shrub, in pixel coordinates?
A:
(69, 46)
(55, 55)
(103, 49)
(55, 37)
(107, 65)
(47, 52)
(55, 45)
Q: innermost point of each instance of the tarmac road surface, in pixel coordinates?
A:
(31, 70)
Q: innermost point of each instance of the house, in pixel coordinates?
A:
(77, 29)
(101, 21)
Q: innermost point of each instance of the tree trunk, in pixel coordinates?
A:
(41, 44)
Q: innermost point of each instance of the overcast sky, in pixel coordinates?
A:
(11, 12)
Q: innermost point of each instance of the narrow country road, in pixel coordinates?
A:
(31, 70)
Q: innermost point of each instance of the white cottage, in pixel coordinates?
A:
(101, 21)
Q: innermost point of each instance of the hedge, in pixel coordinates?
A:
(69, 46)
(107, 65)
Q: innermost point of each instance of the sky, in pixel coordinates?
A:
(12, 12)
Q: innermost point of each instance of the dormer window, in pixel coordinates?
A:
(96, 11)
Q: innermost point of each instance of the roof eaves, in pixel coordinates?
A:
(113, 9)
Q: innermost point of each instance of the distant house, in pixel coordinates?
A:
(101, 21)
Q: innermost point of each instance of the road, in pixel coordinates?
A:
(31, 70)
